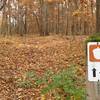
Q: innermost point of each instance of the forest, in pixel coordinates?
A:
(45, 17)
(43, 49)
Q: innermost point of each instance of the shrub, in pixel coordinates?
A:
(93, 38)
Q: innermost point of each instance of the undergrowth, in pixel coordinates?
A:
(64, 84)
(93, 38)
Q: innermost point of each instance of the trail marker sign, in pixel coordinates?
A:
(93, 61)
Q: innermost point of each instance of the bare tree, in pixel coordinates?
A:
(98, 16)
(2, 4)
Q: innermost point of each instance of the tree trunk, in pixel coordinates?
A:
(2, 4)
(98, 16)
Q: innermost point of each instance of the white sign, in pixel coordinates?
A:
(93, 53)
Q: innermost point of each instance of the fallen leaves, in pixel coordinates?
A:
(19, 55)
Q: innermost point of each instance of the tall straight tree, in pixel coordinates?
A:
(98, 16)
(2, 4)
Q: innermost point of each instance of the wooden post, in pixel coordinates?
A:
(92, 91)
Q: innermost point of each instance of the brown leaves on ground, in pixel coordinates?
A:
(20, 54)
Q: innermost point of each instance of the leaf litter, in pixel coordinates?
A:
(19, 55)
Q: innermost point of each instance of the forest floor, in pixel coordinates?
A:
(19, 55)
